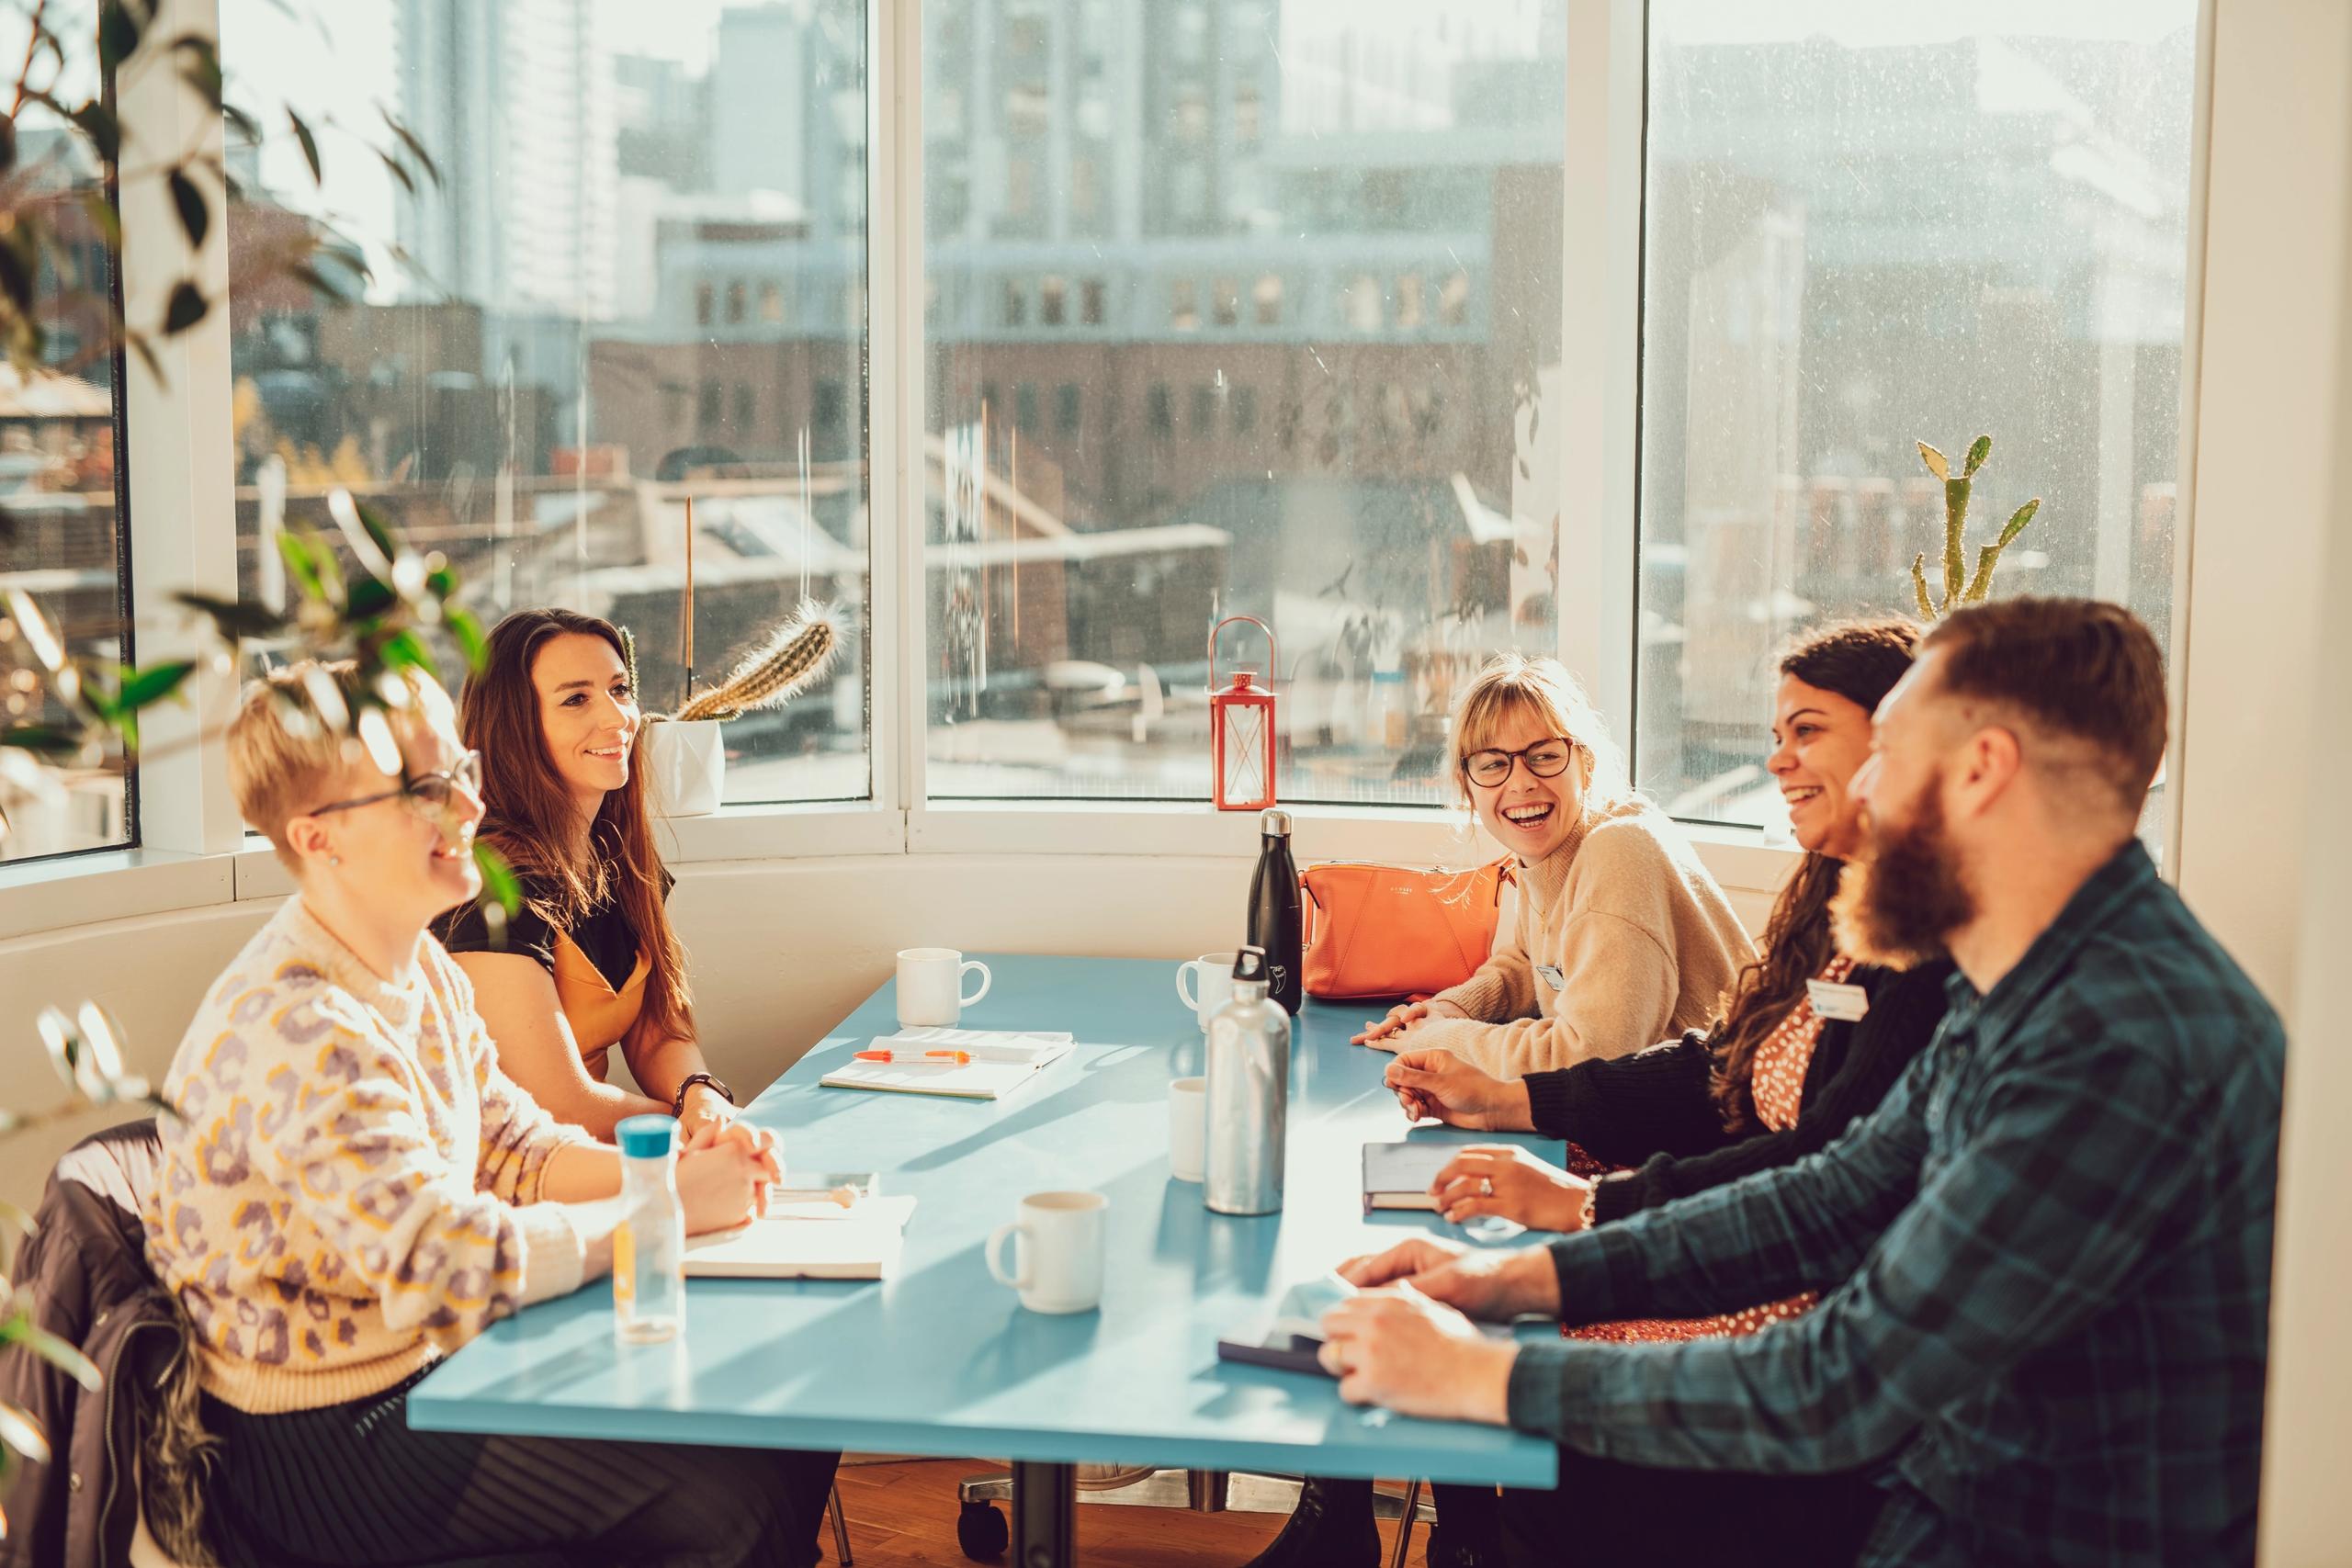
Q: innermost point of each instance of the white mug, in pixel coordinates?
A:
(1061, 1251)
(930, 981)
(1212, 983)
(1188, 1101)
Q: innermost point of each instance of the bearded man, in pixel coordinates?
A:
(2045, 1260)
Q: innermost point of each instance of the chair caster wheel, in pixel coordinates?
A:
(981, 1531)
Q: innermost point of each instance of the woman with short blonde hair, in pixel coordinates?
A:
(1622, 938)
(1516, 682)
(350, 1188)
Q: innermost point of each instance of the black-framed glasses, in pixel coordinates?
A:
(427, 794)
(1545, 760)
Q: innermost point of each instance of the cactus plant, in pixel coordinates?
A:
(775, 671)
(1959, 587)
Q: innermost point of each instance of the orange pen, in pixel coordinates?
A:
(959, 1057)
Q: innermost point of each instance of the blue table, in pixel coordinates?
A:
(943, 1361)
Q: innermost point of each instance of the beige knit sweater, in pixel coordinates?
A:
(350, 1187)
(1643, 943)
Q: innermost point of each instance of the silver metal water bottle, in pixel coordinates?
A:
(1249, 1095)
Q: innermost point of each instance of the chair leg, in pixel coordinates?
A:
(1405, 1525)
(840, 1527)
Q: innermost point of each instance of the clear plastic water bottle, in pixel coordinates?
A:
(650, 1248)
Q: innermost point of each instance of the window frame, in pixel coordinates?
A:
(193, 851)
(125, 578)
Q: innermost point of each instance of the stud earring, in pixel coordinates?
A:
(334, 860)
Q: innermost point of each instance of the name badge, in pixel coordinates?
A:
(1550, 975)
(1846, 1004)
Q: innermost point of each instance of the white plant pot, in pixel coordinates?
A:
(685, 766)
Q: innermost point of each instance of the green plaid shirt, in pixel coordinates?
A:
(2045, 1262)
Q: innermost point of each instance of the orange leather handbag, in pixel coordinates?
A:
(1393, 930)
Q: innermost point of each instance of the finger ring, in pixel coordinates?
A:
(1486, 1187)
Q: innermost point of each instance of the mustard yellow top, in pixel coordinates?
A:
(600, 1016)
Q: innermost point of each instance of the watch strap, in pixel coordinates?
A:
(678, 1100)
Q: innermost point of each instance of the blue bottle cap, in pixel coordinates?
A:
(647, 1137)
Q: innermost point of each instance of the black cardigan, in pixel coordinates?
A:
(1653, 1110)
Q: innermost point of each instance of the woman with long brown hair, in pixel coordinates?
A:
(589, 962)
(1807, 1041)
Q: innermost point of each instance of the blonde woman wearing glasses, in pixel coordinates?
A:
(1622, 938)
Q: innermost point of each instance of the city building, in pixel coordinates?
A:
(516, 102)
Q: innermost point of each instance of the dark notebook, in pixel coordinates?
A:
(1397, 1176)
(1290, 1340)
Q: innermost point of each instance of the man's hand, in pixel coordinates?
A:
(1445, 1086)
(1402, 1351)
(1402, 1017)
(1496, 1286)
(726, 1182)
(1415, 1255)
(1503, 1179)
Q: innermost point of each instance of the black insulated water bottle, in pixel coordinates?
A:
(1275, 912)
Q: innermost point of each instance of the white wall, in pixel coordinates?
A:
(2279, 327)
(149, 972)
(2307, 1515)
(2271, 399)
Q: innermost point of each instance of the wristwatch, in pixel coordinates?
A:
(678, 1101)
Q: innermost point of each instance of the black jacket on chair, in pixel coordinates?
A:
(86, 1265)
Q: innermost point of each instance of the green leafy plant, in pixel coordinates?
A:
(375, 615)
(774, 672)
(1959, 587)
(59, 316)
(58, 193)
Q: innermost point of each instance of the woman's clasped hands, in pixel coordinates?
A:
(1388, 1034)
(724, 1174)
(1440, 1084)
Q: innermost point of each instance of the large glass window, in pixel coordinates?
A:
(1303, 229)
(637, 283)
(1869, 226)
(62, 534)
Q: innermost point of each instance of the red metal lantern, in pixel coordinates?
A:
(1241, 729)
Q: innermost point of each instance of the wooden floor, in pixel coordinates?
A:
(903, 1514)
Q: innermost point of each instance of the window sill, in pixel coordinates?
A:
(1031, 826)
(1741, 858)
(49, 896)
(784, 831)
(730, 833)
(77, 890)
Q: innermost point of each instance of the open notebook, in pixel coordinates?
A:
(971, 1080)
(1003, 1063)
(816, 1240)
(1032, 1047)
